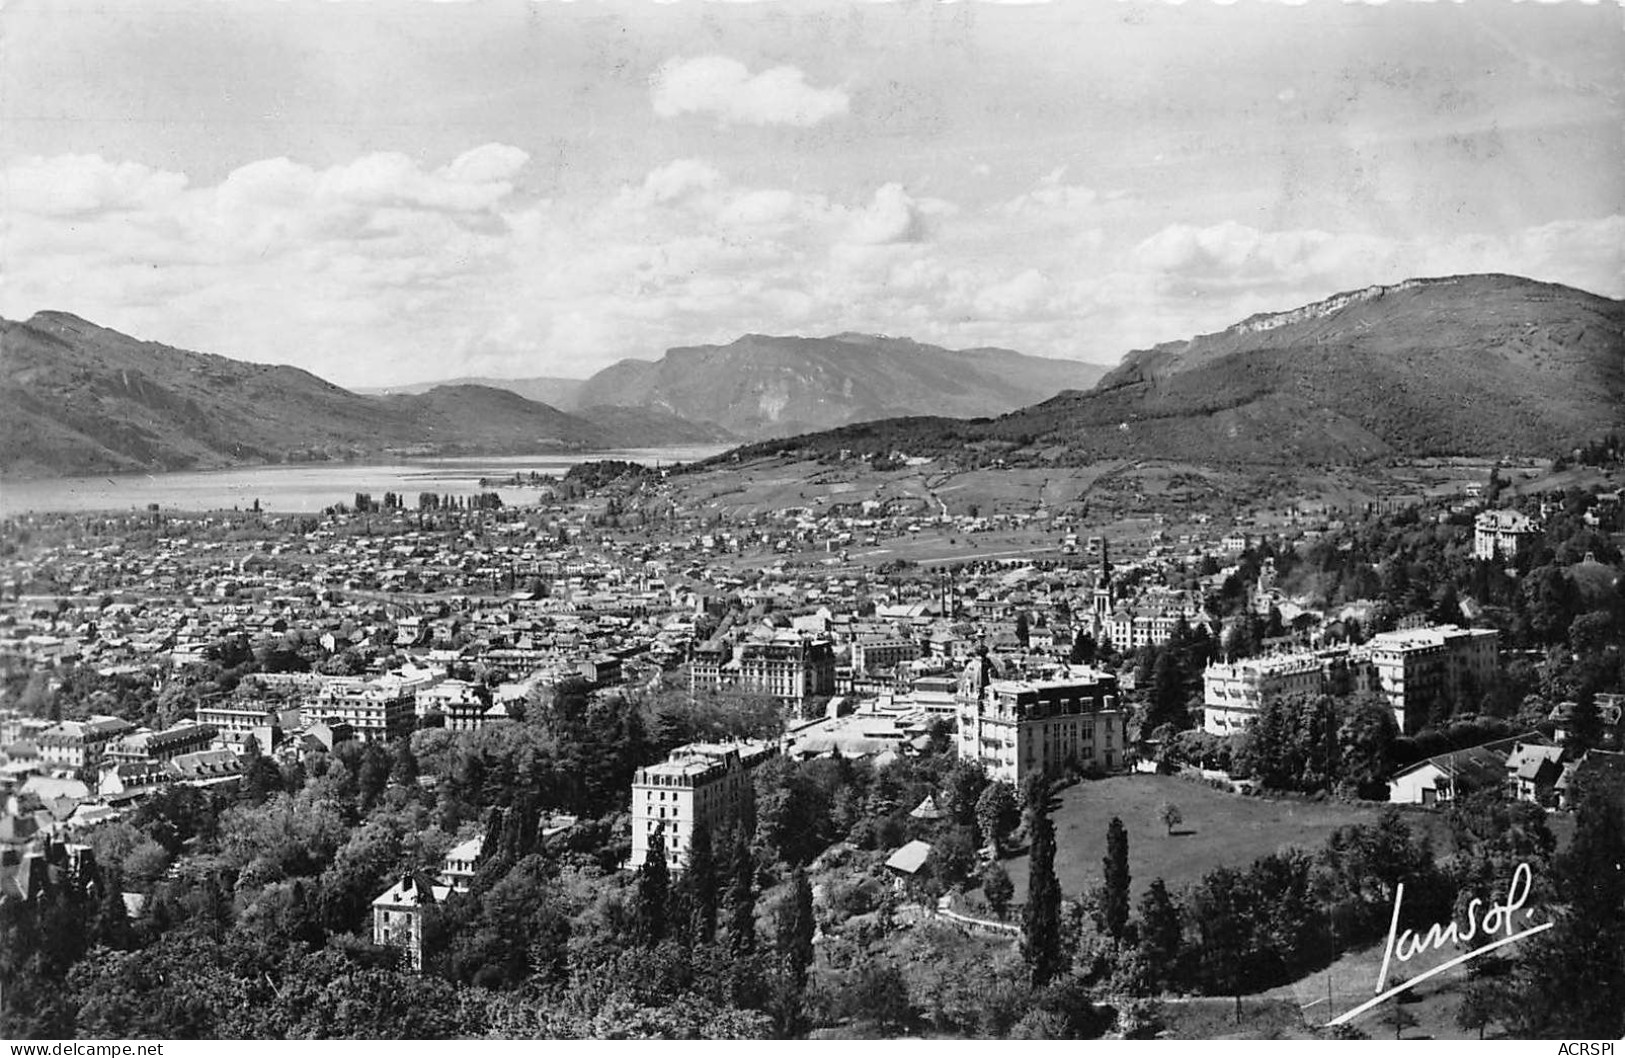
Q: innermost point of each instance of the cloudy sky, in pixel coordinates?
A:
(397, 191)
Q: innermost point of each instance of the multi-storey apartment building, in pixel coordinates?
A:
(1233, 692)
(1420, 671)
(789, 667)
(874, 655)
(705, 666)
(706, 783)
(1020, 727)
(1423, 671)
(80, 743)
(235, 720)
(1502, 534)
(188, 736)
(1145, 624)
(376, 710)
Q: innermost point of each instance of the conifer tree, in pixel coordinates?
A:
(701, 882)
(1041, 917)
(794, 948)
(1114, 900)
(653, 892)
(742, 899)
(111, 927)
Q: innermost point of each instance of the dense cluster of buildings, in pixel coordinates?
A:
(368, 627)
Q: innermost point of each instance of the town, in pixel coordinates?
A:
(482, 761)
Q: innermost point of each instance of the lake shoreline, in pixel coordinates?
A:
(308, 487)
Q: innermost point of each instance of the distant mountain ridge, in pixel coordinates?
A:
(1485, 365)
(773, 386)
(556, 392)
(76, 398)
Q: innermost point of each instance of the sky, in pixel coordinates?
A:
(395, 191)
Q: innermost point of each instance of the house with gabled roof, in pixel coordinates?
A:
(397, 914)
(1533, 771)
(1443, 778)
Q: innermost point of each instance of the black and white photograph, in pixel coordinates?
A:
(899, 520)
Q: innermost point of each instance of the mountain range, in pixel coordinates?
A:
(558, 392)
(76, 398)
(1481, 365)
(765, 386)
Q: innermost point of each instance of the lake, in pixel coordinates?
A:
(308, 488)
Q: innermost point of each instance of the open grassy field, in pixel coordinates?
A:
(1219, 830)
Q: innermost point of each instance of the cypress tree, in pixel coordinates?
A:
(795, 929)
(1114, 901)
(794, 948)
(742, 899)
(654, 884)
(1041, 917)
(701, 881)
(111, 926)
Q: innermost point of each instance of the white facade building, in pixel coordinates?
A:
(700, 782)
(1016, 728)
(1502, 534)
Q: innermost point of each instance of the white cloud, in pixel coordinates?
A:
(84, 183)
(1014, 297)
(387, 268)
(725, 88)
(677, 180)
(892, 217)
(1053, 200)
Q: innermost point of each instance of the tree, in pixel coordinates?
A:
(1041, 917)
(1035, 794)
(1161, 934)
(1570, 977)
(404, 769)
(1169, 815)
(260, 778)
(1083, 649)
(962, 787)
(997, 814)
(953, 857)
(700, 880)
(1584, 726)
(794, 929)
(1167, 705)
(997, 888)
(372, 774)
(1221, 908)
(876, 994)
(1114, 901)
(742, 899)
(110, 927)
(653, 892)
(1023, 629)
(1365, 746)
(1479, 1003)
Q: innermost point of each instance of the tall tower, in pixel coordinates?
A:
(1103, 594)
